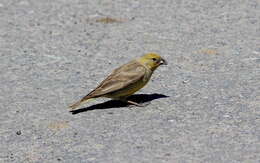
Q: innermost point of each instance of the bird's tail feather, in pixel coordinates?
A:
(77, 104)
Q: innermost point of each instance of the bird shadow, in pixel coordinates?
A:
(139, 98)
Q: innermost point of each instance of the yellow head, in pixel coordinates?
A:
(152, 60)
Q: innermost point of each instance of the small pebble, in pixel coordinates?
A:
(185, 81)
(19, 132)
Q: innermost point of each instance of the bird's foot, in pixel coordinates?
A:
(136, 104)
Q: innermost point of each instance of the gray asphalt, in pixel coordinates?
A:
(203, 107)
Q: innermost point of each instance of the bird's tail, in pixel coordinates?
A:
(75, 105)
(80, 102)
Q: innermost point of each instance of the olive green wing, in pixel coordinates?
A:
(119, 79)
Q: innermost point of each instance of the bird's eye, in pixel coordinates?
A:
(154, 59)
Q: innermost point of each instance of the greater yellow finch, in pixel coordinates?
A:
(126, 80)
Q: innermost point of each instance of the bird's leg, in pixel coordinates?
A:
(134, 103)
(124, 99)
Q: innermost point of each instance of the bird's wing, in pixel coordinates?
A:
(120, 78)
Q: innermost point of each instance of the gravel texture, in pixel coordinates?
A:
(203, 107)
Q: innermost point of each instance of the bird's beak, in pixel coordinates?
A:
(163, 62)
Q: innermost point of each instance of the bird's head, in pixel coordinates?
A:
(152, 60)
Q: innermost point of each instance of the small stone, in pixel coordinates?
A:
(226, 116)
(19, 132)
(185, 81)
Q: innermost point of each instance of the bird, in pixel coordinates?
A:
(125, 80)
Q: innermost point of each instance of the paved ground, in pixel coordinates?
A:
(203, 107)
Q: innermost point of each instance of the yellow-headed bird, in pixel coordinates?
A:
(126, 80)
